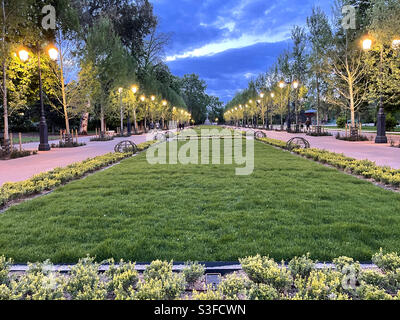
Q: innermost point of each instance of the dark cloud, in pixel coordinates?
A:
(230, 70)
(197, 23)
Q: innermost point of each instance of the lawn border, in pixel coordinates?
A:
(99, 163)
(280, 144)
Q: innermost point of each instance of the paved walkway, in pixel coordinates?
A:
(24, 168)
(381, 154)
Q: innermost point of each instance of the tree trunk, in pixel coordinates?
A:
(318, 100)
(83, 130)
(63, 90)
(135, 125)
(102, 122)
(5, 102)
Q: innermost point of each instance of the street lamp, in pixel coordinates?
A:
(381, 117)
(164, 104)
(44, 135)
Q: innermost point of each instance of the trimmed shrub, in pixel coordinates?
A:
(262, 291)
(233, 287)
(193, 271)
(387, 262)
(301, 266)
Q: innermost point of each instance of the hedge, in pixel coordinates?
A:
(46, 181)
(262, 279)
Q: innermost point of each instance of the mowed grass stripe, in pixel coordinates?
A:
(140, 212)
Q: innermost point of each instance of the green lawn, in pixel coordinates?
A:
(135, 211)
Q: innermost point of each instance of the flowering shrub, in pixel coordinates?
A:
(193, 271)
(274, 142)
(301, 266)
(49, 180)
(264, 279)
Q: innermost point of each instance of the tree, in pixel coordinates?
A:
(320, 35)
(383, 61)
(109, 62)
(345, 73)
(131, 20)
(14, 14)
(299, 66)
(193, 93)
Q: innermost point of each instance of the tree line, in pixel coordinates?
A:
(109, 66)
(342, 68)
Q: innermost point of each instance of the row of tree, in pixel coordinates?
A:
(105, 47)
(329, 68)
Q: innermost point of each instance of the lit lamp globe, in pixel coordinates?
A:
(53, 53)
(367, 44)
(134, 89)
(23, 55)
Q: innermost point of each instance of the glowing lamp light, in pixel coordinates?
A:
(262, 95)
(134, 89)
(281, 84)
(142, 98)
(295, 84)
(120, 90)
(164, 103)
(396, 44)
(367, 44)
(53, 53)
(23, 55)
(153, 98)
(272, 95)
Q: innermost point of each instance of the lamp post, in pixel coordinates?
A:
(24, 56)
(143, 99)
(282, 85)
(262, 95)
(295, 87)
(272, 97)
(134, 91)
(381, 117)
(164, 104)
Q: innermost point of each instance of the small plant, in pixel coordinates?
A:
(123, 279)
(39, 283)
(368, 292)
(157, 270)
(100, 139)
(233, 287)
(4, 269)
(267, 271)
(210, 294)
(68, 145)
(320, 285)
(193, 271)
(262, 292)
(84, 282)
(15, 154)
(387, 262)
(301, 266)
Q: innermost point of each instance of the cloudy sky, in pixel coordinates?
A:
(227, 42)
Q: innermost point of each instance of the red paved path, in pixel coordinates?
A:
(24, 168)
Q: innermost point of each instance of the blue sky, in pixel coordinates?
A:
(227, 42)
